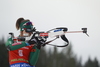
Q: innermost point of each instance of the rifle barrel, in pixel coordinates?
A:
(74, 32)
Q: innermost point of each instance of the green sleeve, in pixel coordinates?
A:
(34, 56)
(9, 42)
(11, 47)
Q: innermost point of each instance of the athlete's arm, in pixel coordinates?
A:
(13, 46)
(34, 55)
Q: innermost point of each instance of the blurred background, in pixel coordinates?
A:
(83, 51)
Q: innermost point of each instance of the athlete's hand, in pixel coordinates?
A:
(32, 41)
(40, 41)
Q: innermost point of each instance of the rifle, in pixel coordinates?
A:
(56, 32)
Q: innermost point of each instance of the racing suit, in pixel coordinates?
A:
(22, 54)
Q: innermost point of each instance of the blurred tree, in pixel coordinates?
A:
(96, 63)
(91, 63)
(79, 63)
(55, 57)
(3, 54)
(71, 60)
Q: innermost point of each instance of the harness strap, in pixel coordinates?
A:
(62, 37)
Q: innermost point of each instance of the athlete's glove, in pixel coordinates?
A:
(39, 41)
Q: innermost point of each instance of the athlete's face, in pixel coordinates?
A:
(26, 34)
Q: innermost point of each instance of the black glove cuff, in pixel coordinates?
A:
(38, 46)
(31, 42)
